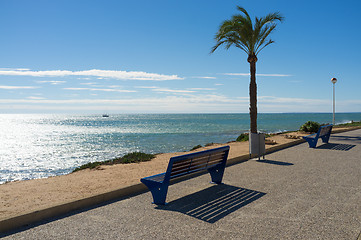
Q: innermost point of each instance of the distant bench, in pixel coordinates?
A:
(324, 133)
(213, 160)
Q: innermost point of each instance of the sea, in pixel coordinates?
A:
(40, 146)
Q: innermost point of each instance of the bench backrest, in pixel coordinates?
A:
(194, 162)
(324, 130)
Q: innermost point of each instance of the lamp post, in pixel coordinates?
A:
(333, 80)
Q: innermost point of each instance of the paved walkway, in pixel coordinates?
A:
(296, 193)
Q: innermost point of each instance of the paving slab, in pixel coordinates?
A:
(295, 193)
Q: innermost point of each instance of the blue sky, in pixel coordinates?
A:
(153, 57)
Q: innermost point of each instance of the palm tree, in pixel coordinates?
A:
(241, 33)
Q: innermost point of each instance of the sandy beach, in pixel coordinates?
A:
(21, 197)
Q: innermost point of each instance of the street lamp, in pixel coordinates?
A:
(333, 80)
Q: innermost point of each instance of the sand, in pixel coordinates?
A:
(17, 198)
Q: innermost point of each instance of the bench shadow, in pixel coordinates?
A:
(213, 203)
(336, 146)
(275, 162)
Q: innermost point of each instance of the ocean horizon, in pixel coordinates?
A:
(43, 145)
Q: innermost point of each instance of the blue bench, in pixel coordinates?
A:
(324, 133)
(213, 160)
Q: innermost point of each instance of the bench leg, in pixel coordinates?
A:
(159, 195)
(311, 142)
(216, 174)
(159, 191)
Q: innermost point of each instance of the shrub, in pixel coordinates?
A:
(134, 157)
(196, 147)
(351, 124)
(310, 126)
(90, 165)
(243, 137)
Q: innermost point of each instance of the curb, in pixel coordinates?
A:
(13, 223)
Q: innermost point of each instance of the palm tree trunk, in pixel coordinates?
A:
(253, 95)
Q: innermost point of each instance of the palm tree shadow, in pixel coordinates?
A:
(275, 162)
(213, 203)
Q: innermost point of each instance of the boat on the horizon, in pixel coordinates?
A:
(105, 115)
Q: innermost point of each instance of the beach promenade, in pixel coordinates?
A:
(295, 193)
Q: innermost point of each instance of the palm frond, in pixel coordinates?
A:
(265, 32)
(240, 32)
(265, 45)
(245, 13)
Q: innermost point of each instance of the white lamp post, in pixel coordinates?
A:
(333, 80)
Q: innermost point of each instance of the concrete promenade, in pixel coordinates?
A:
(295, 193)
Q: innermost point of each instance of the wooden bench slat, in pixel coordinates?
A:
(204, 158)
(188, 161)
(324, 131)
(199, 167)
(209, 160)
(196, 155)
(189, 169)
(214, 162)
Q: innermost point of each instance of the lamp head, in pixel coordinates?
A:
(333, 80)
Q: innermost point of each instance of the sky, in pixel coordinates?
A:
(141, 56)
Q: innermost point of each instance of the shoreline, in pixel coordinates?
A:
(22, 198)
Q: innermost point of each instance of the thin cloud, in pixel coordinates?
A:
(274, 75)
(291, 101)
(89, 83)
(16, 69)
(36, 98)
(173, 103)
(202, 89)
(147, 87)
(258, 74)
(176, 104)
(114, 74)
(172, 90)
(206, 98)
(17, 87)
(100, 89)
(52, 82)
(205, 77)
